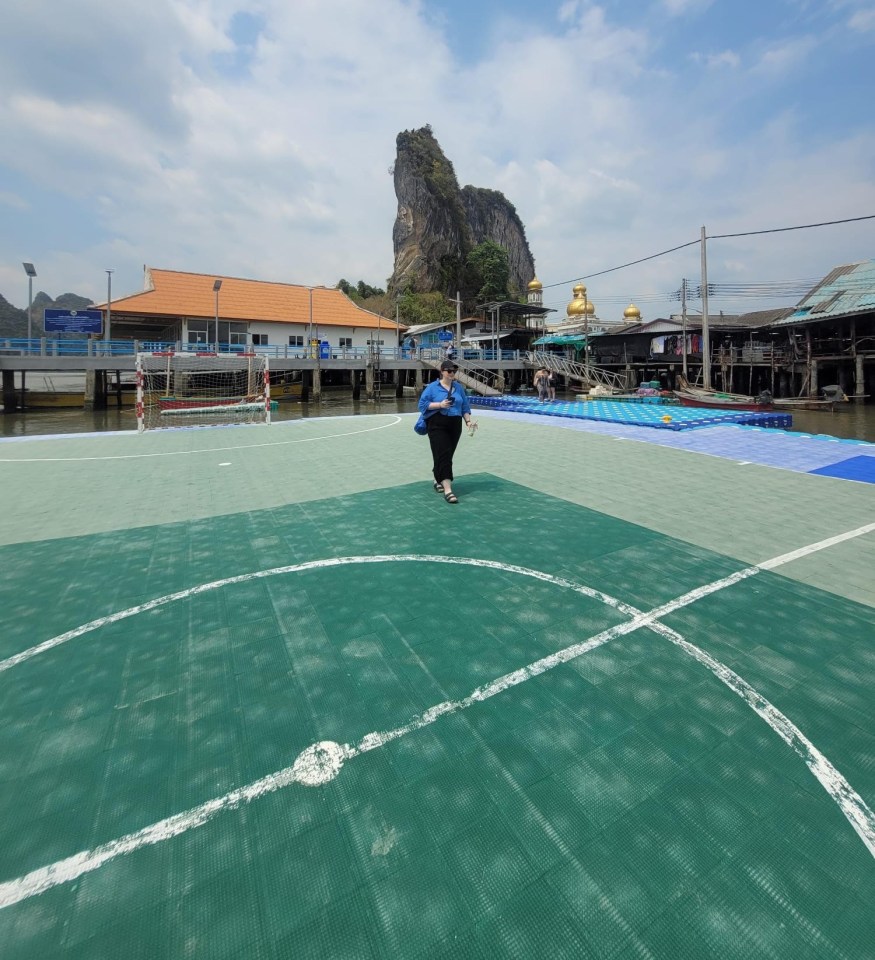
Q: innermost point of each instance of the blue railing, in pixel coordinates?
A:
(45, 347)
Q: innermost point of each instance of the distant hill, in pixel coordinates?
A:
(13, 321)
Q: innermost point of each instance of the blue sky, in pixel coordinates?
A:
(254, 137)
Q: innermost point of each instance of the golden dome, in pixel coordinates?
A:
(580, 306)
(535, 284)
(632, 312)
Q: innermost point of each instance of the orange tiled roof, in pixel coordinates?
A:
(170, 293)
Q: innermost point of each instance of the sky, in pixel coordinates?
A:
(255, 138)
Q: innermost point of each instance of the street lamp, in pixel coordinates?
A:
(30, 270)
(309, 351)
(217, 286)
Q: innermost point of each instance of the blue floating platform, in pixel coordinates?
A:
(860, 468)
(658, 416)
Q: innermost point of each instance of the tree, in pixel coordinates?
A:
(488, 272)
(416, 308)
(359, 291)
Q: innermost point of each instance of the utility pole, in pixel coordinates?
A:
(684, 322)
(458, 303)
(108, 331)
(586, 332)
(706, 337)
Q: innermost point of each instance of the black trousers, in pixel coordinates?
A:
(443, 435)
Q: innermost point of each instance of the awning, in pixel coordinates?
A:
(575, 339)
(421, 328)
(478, 337)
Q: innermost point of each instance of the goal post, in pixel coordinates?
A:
(199, 389)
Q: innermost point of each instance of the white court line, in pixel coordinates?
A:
(321, 762)
(187, 453)
(814, 547)
(297, 568)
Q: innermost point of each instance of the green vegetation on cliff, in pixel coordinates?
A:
(487, 273)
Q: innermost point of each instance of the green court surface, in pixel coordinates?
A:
(284, 702)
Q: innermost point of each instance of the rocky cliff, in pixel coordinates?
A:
(491, 216)
(13, 321)
(438, 224)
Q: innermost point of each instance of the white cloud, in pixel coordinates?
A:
(782, 58)
(728, 58)
(863, 21)
(677, 8)
(13, 200)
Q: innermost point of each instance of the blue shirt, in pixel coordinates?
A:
(435, 393)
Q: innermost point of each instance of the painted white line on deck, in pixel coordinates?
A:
(814, 547)
(298, 568)
(321, 762)
(185, 453)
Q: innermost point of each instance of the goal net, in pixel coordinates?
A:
(191, 389)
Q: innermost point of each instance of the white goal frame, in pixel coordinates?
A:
(201, 389)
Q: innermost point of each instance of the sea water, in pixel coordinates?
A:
(849, 420)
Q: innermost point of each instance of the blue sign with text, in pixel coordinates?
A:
(445, 335)
(73, 321)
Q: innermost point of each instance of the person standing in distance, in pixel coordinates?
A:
(540, 384)
(445, 404)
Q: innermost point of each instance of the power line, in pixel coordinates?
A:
(804, 226)
(716, 236)
(632, 263)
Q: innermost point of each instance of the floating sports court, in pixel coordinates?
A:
(657, 415)
(264, 694)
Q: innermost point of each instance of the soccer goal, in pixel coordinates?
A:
(195, 389)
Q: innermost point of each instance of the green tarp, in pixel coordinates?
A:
(576, 339)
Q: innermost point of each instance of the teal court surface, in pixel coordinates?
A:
(264, 694)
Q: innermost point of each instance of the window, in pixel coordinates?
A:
(259, 339)
(345, 342)
(297, 341)
(198, 331)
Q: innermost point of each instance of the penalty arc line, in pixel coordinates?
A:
(188, 453)
(321, 762)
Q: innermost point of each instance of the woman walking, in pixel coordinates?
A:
(445, 404)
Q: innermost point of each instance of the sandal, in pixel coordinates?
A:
(451, 498)
(439, 487)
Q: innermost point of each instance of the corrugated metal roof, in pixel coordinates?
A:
(170, 293)
(847, 289)
(419, 328)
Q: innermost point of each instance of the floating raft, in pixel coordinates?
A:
(659, 416)
(219, 409)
